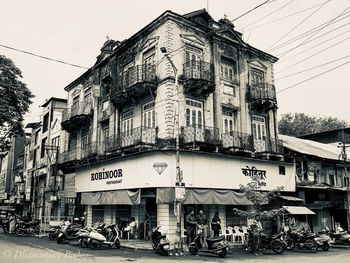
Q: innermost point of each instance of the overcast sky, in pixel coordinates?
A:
(74, 31)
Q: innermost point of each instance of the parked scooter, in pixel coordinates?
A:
(302, 240)
(54, 232)
(217, 246)
(5, 223)
(160, 242)
(105, 235)
(276, 242)
(323, 241)
(71, 232)
(341, 238)
(32, 227)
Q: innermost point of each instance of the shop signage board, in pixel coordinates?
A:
(199, 170)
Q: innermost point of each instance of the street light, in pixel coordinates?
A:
(179, 186)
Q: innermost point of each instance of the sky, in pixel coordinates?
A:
(74, 31)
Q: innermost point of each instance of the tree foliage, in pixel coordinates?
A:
(15, 99)
(298, 124)
(252, 191)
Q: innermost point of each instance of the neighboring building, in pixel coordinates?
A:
(11, 174)
(118, 151)
(43, 183)
(321, 181)
(331, 136)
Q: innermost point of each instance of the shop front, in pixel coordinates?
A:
(142, 186)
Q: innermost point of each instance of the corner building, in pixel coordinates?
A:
(120, 129)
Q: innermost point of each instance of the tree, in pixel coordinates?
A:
(252, 191)
(15, 99)
(298, 124)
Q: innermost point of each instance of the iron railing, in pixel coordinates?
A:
(80, 108)
(88, 150)
(198, 70)
(269, 146)
(262, 91)
(139, 135)
(139, 74)
(237, 140)
(200, 133)
(68, 156)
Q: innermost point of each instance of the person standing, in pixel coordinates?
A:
(191, 225)
(203, 225)
(216, 224)
(257, 229)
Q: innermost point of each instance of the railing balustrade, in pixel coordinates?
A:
(237, 140)
(200, 133)
(198, 70)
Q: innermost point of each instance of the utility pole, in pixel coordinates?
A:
(179, 185)
(343, 155)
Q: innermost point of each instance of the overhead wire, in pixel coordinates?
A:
(43, 57)
(296, 26)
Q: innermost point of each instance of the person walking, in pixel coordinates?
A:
(191, 225)
(203, 225)
(216, 224)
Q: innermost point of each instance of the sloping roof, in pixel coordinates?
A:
(298, 210)
(322, 150)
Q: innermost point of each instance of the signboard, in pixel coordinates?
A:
(180, 193)
(199, 170)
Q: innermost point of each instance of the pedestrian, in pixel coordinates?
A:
(257, 229)
(216, 224)
(131, 228)
(191, 225)
(203, 225)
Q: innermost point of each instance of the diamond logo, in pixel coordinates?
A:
(160, 167)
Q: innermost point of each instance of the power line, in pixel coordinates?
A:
(308, 69)
(313, 77)
(267, 15)
(43, 57)
(297, 25)
(254, 8)
(284, 17)
(305, 41)
(325, 49)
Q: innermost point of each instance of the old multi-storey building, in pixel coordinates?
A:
(321, 182)
(121, 124)
(43, 183)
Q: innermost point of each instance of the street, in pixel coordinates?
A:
(31, 249)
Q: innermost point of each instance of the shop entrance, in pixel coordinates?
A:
(150, 216)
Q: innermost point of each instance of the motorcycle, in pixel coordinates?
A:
(302, 240)
(71, 232)
(32, 227)
(342, 238)
(5, 223)
(276, 242)
(53, 232)
(160, 243)
(323, 241)
(217, 246)
(105, 235)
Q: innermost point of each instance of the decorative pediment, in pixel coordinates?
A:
(194, 40)
(231, 35)
(77, 90)
(147, 43)
(257, 64)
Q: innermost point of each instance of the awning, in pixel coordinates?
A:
(119, 197)
(290, 198)
(69, 186)
(204, 196)
(298, 210)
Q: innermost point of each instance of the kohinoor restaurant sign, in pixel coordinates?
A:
(199, 171)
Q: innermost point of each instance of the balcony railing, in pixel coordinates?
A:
(89, 150)
(140, 135)
(262, 91)
(198, 70)
(80, 108)
(139, 74)
(269, 146)
(200, 133)
(237, 140)
(68, 156)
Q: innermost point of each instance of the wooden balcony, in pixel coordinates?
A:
(262, 96)
(76, 116)
(237, 142)
(200, 135)
(198, 78)
(138, 82)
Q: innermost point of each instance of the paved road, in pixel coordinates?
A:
(34, 250)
